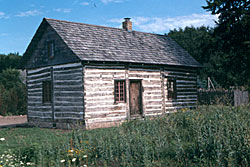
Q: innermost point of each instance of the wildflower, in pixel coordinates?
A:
(85, 165)
(62, 161)
(2, 139)
(70, 151)
(74, 159)
(85, 156)
(28, 163)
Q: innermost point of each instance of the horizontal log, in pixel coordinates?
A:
(68, 93)
(100, 103)
(101, 93)
(40, 76)
(39, 109)
(68, 82)
(143, 70)
(45, 118)
(102, 66)
(185, 81)
(143, 76)
(68, 72)
(78, 88)
(179, 107)
(34, 86)
(192, 74)
(99, 120)
(68, 109)
(186, 90)
(38, 104)
(91, 84)
(153, 107)
(186, 93)
(75, 76)
(181, 104)
(152, 89)
(40, 114)
(180, 69)
(153, 102)
(99, 89)
(36, 90)
(75, 104)
(40, 80)
(152, 97)
(76, 64)
(98, 98)
(38, 71)
(67, 68)
(67, 99)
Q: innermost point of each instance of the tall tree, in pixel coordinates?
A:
(232, 31)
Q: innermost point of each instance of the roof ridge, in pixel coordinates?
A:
(104, 27)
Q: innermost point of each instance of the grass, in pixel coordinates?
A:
(208, 136)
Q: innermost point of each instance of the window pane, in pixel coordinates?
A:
(119, 91)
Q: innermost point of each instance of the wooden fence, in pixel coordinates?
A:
(225, 97)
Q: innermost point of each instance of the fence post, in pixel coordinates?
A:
(240, 97)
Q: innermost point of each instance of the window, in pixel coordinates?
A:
(51, 49)
(120, 94)
(171, 89)
(46, 91)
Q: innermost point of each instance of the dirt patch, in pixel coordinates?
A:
(11, 120)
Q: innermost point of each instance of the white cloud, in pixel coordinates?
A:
(164, 24)
(84, 3)
(29, 13)
(107, 1)
(62, 10)
(3, 15)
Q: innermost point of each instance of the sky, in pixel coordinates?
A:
(19, 19)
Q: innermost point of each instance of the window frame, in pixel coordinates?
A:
(51, 49)
(171, 94)
(119, 91)
(47, 91)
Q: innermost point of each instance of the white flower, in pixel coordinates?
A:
(2, 139)
(28, 163)
(85, 165)
(85, 156)
(74, 159)
(62, 161)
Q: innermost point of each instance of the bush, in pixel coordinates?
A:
(12, 93)
(208, 136)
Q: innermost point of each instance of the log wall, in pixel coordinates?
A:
(99, 102)
(67, 96)
(186, 86)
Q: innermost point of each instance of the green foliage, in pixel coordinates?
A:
(208, 136)
(232, 31)
(223, 50)
(12, 93)
(12, 60)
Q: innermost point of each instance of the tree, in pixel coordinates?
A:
(12, 93)
(12, 60)
(201, 44)
(233, 38)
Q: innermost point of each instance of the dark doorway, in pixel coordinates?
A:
(135, 99)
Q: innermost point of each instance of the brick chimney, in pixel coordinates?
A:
(127, 24)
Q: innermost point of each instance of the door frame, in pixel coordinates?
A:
(141, 99)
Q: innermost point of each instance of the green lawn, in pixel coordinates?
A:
(207, 136)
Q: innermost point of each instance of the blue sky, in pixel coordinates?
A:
(19, 19)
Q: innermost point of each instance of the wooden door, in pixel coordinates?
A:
(135, 99)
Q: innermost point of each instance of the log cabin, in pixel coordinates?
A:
(98, 76)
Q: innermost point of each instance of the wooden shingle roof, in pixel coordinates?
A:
(99, 43)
